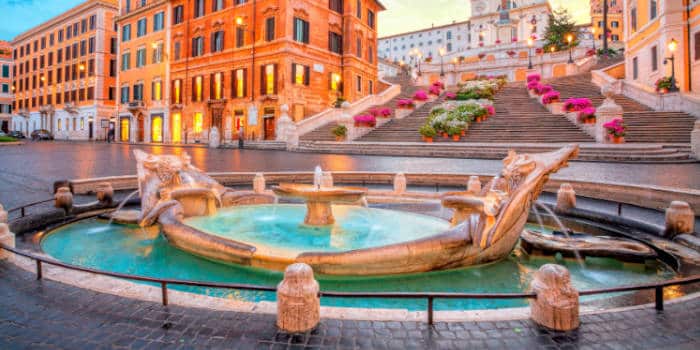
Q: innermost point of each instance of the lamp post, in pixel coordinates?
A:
(530, 42)
(570, 39)
(672, 45)
(442, 65)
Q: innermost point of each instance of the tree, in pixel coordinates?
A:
(559, 26)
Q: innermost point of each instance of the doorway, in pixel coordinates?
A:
(90, 126)
(124, 125)
(269, 124)
(139, 128)
(5, 126)
(157, 128)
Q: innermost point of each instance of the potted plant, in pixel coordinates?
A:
(481, 44)
(663, 85)
(420, 95)
(405, 103)
(510, 53)
(450, 95)
(455, 132)
(428, 132)
(491, 110)
(340, 132)
(533, 77)
(514, 40)
(498, 41)
(616, 129)
(543, 89)
(481, 56)
(365, 120)
(577, 104)
(550, 97)
(434, 90)
(587, 115)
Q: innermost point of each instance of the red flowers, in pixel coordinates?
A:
(577, 104)
(550, 97)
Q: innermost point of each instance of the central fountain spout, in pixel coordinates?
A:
(318, 177)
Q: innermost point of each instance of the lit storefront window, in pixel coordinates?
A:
(335, 81)
(177, 127)
(198, 122)
(124, 129)
(198, 85)
(177, 91)
(157, 129)
(240, 83)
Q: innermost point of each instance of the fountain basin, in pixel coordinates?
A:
(319, 199)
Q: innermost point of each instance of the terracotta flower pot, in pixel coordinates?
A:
(339, 138)
(428, 139)
(444, 135)
(455, 137)
(589, 121)
(464, 133)
(663, 91)
(617, 139)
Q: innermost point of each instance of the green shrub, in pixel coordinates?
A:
(7, 139)
(340, 130)
(427, 131)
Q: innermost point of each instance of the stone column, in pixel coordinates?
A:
(695, 140)
(474, 185)
(608, 111)
(680, 219)
(6, 238)
(556, 306)
(400, 183)
(298, 303)
(566, 198)
(259, 183)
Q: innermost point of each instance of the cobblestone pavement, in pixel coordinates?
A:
(27, 172)
(47, 314)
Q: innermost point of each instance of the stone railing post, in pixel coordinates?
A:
(63, 199)
(259, 183)
(695, 140)
(286, 130)
(557, 304)
(104, 193)
(608, 111)
(3, 215)
(399, 183)
(680, 219)
(566, 198)
(298, 302)
(346, 120)
(7, 238)
(474, 185)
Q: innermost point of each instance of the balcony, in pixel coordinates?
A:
(135, 106)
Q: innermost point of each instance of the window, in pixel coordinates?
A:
(301, 30)
(112, 68)
(124, 95)
(178, 13)
(141, 27)
(268, 79)
(93, 22)
(157, 90)
(370, 19)
(60, 35)
(270, 29)
(358, 47)
(177, 91)
(697, 45)
(138, 92)
(198, 122)
(197, 86)
(335, 43)
(141, 57)
(197, 46)
(633, 19)
(358, 9)
(449, 47)
(91, 67)
(91, 45)
(300, 74)
(239, 83)
(52, 39)
(83, 48)
(198, 8)
(158, 21)
(654, 59)
(5, 70)
(157, 53)
(83, 26)
(113, 43)
(652, 9)
(635, 69)
(358, 83)
(370, 87)
(177, 50)
(449, 35)
(59, 75)
(217, 5)
(126, 32)
(216, 86)
(614, 24)
(240, 37)
(126, 61)
(336, 5)
(69, 32)
(370, 54)
(217, 41)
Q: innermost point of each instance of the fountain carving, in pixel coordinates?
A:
(486, 226)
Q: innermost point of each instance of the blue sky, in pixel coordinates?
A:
(401, 16)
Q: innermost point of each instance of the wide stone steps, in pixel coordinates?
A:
(589, 152)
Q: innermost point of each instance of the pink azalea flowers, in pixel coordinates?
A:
(533, 85)
(450, 95)
(550, 96)
(577, 104)
(405, 103)
(380, 112)
(365, 119)
(420, 95)
(533, 77)
(543, 89)
(587, 115)
(491, 110)
(616, 127)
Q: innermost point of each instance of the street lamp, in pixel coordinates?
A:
(454, 64)
(570, 39)
(442, 66)
(530, 42)
(672, 45)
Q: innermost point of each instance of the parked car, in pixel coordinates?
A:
(16, 134)
(41, 134)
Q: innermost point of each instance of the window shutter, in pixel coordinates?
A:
(194, 85)
(245, 82)
(233, 83)
(697, 46)
(294, 73)
(213, 41)
(263, 88)
(306, 75)
(211, 86)
(274, 87)
(306, 32)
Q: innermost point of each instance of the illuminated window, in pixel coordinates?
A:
(157, 129)
(177, 127)
(335, 81)
(197, 83)
(300, 74)
(177, 91)
(156, 91)
(82, 123)
(217, 86)
(124, 129)
(198, 121)
(269, 79)
(239, 83)
(59, 124)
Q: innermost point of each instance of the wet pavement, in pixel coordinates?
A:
(27, 172)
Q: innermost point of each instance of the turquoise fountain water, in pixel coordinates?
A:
(128, 249)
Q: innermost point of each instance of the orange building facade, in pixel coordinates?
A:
(616, 23)
(64, 75)
(231, 64)
(6, 93)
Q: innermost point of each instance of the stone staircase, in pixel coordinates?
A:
(402, 130)
(324, 133)
(644, 125)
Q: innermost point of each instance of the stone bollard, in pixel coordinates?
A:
(104, 193)
(399, 183)
(327, 179)
(63, 199)
(259, 183)
(607, 111)
(566, 198)
(680, 219)
(695, 140)
(3, 215)
(298, 303)
(556, 306)
(6, 238)
(474, 185)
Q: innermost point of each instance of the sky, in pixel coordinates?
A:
(401, 15)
